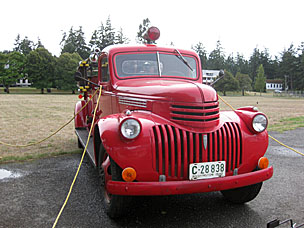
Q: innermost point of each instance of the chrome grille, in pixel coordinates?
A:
(174, 149)
(205, 112)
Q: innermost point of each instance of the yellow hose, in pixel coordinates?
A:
(76, 175)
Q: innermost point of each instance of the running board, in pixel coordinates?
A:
(82, 135)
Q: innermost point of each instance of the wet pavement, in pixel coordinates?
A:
(4, 174)
(32, 193)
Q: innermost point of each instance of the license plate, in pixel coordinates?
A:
(206, 170)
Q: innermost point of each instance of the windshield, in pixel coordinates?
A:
(155, 64)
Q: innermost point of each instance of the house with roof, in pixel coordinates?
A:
(274, 84)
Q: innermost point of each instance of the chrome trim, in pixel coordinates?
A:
(132, 101)
(205, 141)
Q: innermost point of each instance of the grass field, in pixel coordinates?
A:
(26, 118)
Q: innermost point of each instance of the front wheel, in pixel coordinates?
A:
(115, 205)
(243, 194)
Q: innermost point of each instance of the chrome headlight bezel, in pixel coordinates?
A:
(130, 128)
(259, 123)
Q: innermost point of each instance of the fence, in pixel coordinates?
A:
(288, 93)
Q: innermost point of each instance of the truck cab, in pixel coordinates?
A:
(158, 129)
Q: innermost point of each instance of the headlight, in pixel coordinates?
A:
(259, 123)
(130, 128)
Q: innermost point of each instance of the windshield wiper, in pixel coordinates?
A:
(183, 59)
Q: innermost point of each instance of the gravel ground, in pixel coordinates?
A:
(34, 196)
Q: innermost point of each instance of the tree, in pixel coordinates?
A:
(39, 44)
(143, 28)
(120, 38)
(202, 53)
(289, 65)
(254, 63)
(94, 42)
(40, 66)
(230, 64)
(242, 64)
(216, 58)
(12, 68)
(299, 80)
(106, 35)
(24, 46)
(66, 66)
(244, 82)
(228, 83)
(260, 82)
(75, 42)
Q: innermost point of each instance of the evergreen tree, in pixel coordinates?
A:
(299, 79)
(120, 38)
(202, 53)
(230, 64)
(106, 35)
(289, 66)
(24, 46)
(254, 63)
(75, 42)
(94, 42)
(242, 64)
(216, 58)
(109, 33)
(260, 82)
(143, 28)
(39, 44)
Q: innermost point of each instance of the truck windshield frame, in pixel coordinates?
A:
(154, 64)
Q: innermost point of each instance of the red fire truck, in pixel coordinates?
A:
(159, 131)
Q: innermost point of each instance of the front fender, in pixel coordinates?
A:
(136, 152)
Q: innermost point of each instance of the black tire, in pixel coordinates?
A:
(243, 194)
(115, 205)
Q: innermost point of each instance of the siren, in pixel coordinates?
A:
(152, 34)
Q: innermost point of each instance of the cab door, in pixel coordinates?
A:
(105, 104)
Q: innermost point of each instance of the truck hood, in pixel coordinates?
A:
(167, 90)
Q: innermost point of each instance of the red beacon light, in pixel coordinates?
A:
(152, 34)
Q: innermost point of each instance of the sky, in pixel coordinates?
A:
(239, 25)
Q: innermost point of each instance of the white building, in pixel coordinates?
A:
(209, 76)
(23, 82)
(274, 84)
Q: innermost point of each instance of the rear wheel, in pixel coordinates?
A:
(243, 194)
(115, 205)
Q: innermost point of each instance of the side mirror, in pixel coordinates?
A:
(220, 76)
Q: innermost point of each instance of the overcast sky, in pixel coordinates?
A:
(240, 25)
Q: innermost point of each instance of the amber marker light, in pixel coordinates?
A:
(129, 174)
(263, 163)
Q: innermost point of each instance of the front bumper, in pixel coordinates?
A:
(187, 187)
